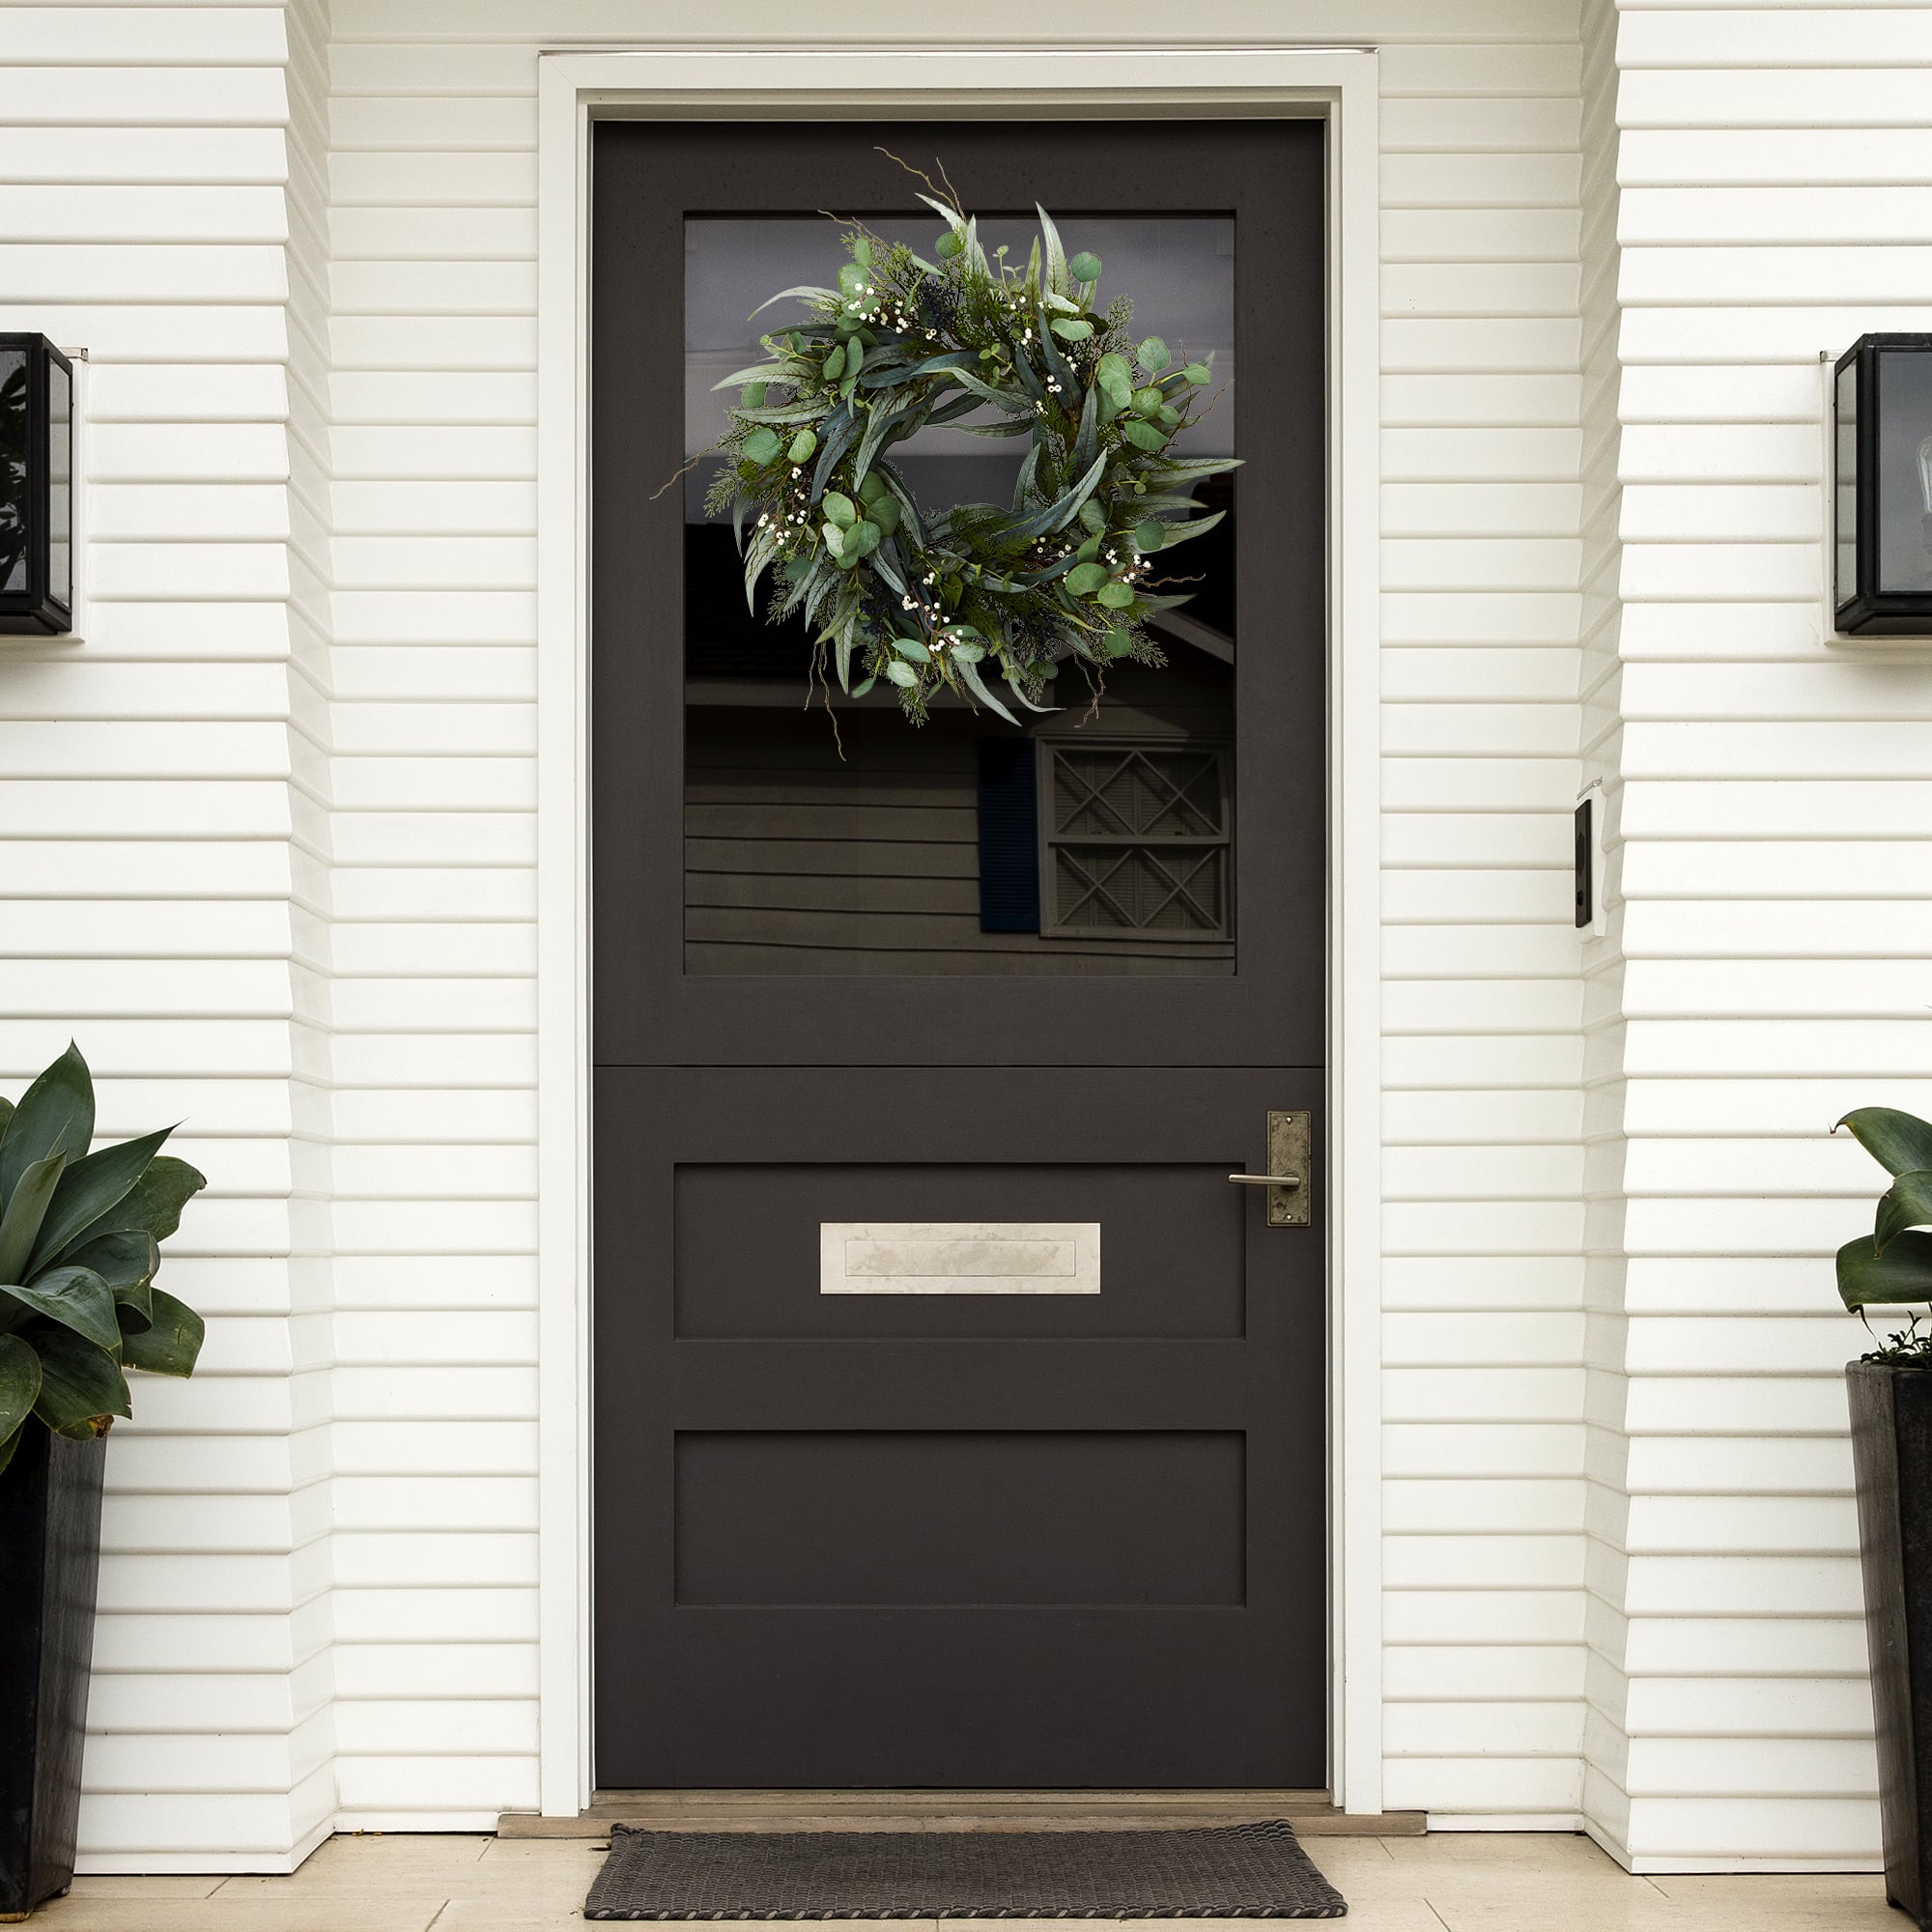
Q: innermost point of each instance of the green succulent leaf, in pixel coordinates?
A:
(88, 1188)
(172, 1345)
(1905, 1204)
(151, 1206)
(19, 1382)
(124, 1260)
(1903, 1273)
(55, 1116)
(77, 1298)
(81, 1387)
(26, 1211)
(1900, 1143)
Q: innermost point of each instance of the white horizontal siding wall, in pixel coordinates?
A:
(433, 228)
(1776, 970)
(1483, 1335)
(162, 808)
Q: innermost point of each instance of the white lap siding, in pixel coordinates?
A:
(1774, 969)
(164, 791)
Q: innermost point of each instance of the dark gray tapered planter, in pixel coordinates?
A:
(49, 1561)
(1891, 1455)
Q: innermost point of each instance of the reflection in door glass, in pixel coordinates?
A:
(1097, 840)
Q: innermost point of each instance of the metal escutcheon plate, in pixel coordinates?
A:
(1290, 1139)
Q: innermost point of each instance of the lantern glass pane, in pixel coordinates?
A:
(60, 484)
(1905, 470)
(1845, 483)
(13, 525)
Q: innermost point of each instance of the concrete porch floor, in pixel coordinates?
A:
(1447, 1883)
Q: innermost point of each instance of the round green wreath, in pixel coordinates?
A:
(939, 601)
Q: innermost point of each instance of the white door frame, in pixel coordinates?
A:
(575, 88)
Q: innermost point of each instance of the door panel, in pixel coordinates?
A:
(698, 873)
(956, 1422)
(1161, 1474)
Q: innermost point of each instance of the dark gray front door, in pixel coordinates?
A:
(957, 1424)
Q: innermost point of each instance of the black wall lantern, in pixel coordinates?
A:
(1882, 486)
(35, 488)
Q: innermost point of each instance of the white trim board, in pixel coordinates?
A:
(1337, 84)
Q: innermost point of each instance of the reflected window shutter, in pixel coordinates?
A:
(1009, 836)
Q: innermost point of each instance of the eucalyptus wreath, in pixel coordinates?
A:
(942, 600)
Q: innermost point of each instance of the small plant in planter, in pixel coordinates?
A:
(81, 1236)
(1891, 1454)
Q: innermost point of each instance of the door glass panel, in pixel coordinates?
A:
(828, 834)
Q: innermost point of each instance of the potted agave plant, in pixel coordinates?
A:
(81, 1236)
(1891, 1391)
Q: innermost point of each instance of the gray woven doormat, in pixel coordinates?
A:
(1233, 1871)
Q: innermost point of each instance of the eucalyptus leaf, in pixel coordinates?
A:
(761, 447)
(969, 676)
(1153, 353)
(1084, 266)
(801, 446)
(901, 674)
(1083, 578)
(1070, 330)
(1116, 596)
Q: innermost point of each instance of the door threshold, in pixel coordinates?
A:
(1309, 1811)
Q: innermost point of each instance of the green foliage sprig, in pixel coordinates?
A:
(942, 601)
(81, 1238)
